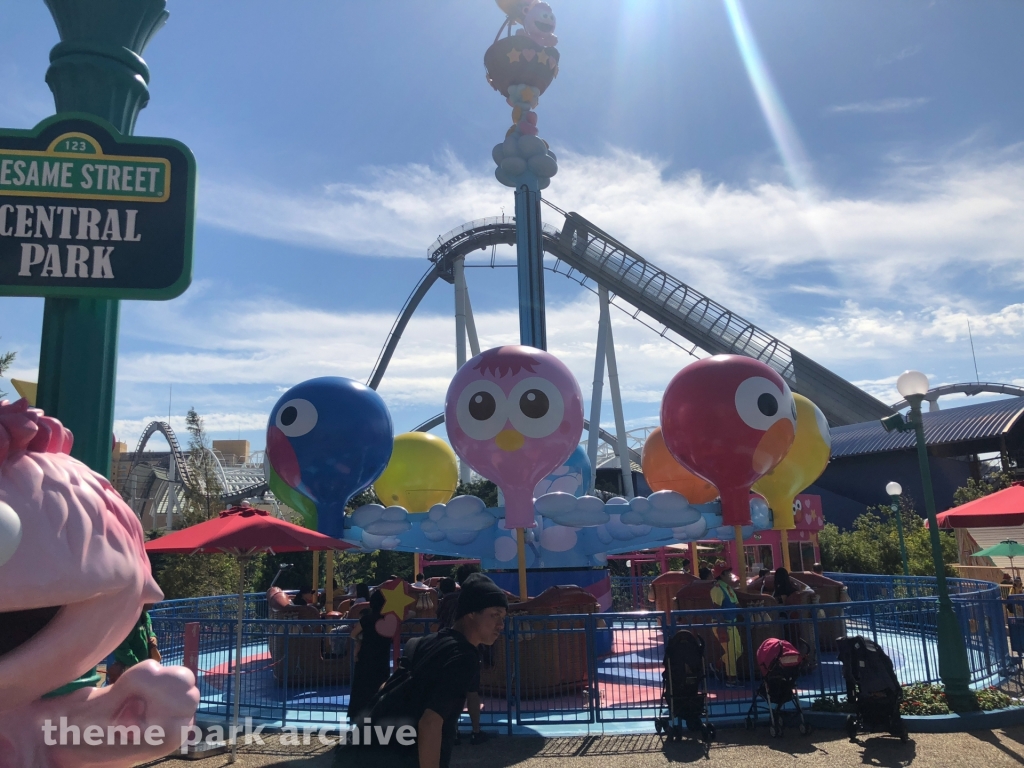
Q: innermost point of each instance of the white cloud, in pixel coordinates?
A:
(283, 344)
(857, 332)
(398, 213)
(129, 430)
(924, 242)
(936, 220)
(896, 104)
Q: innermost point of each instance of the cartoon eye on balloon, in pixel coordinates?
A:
(536, 407)
(482, 410)
(758, 403)
(296, 418)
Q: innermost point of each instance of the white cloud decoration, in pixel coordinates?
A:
(459, 521)
(381, 521)
(664, 509)
(566, 509)
(372, 542)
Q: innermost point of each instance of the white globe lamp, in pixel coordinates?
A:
(912, 383)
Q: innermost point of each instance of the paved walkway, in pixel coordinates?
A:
(736, 748)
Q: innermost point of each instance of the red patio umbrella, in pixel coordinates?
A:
(243, 532)
(999, 509)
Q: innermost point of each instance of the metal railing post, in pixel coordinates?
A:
(817, 650)
(286, 677)
(508, 675)
(594, 696)
(517, 668)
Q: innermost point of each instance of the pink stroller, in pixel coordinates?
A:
(780, 663)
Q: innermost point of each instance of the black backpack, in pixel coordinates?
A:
(400, 701)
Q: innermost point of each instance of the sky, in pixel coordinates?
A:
(847, 175)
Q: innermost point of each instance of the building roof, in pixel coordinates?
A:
(955, 432)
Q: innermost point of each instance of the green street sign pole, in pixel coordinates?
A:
(97, 69)
(953, 667)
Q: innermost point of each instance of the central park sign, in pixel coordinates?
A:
(86, 212)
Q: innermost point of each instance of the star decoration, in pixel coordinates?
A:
(542, 58)
(513, 55)
(397, 599)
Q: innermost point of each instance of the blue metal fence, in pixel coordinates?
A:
(591, 668)
(629, 593)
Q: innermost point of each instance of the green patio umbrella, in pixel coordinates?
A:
(1010, 549)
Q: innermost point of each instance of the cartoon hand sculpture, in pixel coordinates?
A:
(74, 578)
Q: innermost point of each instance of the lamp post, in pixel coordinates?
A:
(953, 667)
(895, 490)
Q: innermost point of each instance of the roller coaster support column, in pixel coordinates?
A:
(97, 68)
(530, 259)
(613, 385)
(474, 340)
(532, 327)
(595, 401)
(172, 483)
(459, 274)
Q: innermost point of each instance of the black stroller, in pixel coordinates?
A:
(780, 664)
(872, 685)
(684, 688)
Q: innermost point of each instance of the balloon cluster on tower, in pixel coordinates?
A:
(520, 67)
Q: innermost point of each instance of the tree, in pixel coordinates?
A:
(6, 359)
(202, 575)
(484, 490)
(202, 495)
(975, 489)
(873, 544)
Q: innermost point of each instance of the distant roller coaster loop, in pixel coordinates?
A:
(184, 471)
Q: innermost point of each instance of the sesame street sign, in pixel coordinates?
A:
(86, 212)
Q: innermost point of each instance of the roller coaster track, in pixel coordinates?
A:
(970, 388)
(595, 255)
(232, 493)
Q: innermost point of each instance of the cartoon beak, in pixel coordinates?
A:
(282, 457)
(509, 440)
(773, 446)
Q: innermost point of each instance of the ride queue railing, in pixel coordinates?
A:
(629, 593)
(588, 668)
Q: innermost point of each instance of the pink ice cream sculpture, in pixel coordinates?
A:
(514, 414)
(73, 580)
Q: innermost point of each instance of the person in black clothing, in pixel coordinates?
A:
(373, 659)
(784, 585)
(444, 666)
(448, 603)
